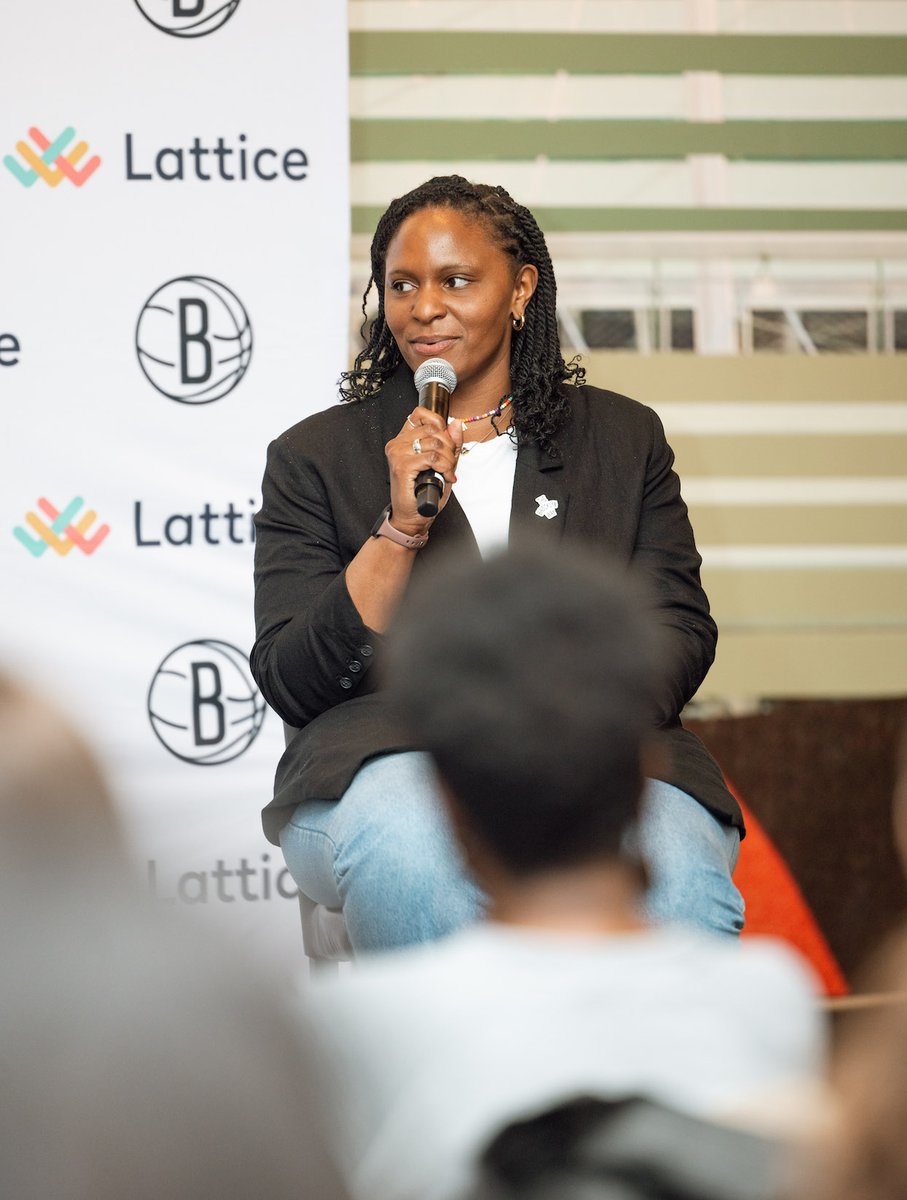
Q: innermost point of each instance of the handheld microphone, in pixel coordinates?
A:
(435, 380)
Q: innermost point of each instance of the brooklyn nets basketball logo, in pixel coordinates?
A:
(194, 340)
(203, 704)
(187, 18)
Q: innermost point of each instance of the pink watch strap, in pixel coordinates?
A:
(383, 528)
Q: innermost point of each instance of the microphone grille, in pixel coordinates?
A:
(436, 370)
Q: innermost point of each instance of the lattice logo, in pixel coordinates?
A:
(52, 164)
(60, 532)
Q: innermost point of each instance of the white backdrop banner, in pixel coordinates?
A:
(174, 293)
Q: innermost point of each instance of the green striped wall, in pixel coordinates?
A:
(691, 220)
(440, 140)
(792, 630)
(518, 53)
(437, 145)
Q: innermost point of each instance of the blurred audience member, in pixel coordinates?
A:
(135, 1061)
(863, 1153)
(530, 679)
(900, 802)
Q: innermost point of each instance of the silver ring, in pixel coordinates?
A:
(410, 423)
(417, 446)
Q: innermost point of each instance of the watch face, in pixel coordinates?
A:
(382, 517)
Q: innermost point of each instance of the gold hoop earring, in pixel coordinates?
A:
(517, 323)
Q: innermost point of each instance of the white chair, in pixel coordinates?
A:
(325, 940)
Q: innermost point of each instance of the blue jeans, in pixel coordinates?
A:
(385, 854)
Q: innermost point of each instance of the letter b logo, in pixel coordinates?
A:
(187, 337)
(206, 703)
(193, 339)
(187, 18)
(203, 704)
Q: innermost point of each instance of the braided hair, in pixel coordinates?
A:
(537, 366)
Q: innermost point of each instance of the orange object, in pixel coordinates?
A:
(776, 906)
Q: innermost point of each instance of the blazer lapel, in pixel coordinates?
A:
(450, 531)
(540, 495)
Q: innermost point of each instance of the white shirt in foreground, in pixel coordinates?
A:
(432, 1050)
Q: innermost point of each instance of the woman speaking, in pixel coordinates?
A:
(462, 273)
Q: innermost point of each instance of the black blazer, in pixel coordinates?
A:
(325, 483)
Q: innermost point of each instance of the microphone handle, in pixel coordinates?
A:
(429, 484)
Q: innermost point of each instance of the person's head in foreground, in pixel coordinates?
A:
(57, 814)
(860, 1150)
(528, 678)
(139, 1058)
(462, 271)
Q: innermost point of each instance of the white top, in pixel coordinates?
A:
(484, 489)
(433, 1049)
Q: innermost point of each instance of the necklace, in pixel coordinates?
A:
(467, 446)
(503, 403)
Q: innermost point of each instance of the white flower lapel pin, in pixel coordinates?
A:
(546, 508)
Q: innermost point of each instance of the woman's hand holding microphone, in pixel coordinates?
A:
(426, 442)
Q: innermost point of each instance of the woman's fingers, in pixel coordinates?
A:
(433, 444)
(427, 416)
(424, 443)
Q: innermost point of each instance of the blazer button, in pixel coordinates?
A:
(354, 666)
(365, 651)
(345, 681)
